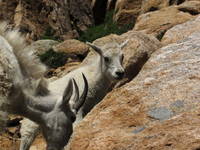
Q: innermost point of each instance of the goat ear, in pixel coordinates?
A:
(96, 49)
(41, 87)
(80, 101)
(123, 44)
(66, 95)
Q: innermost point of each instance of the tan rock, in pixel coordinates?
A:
(148, 112)
(152, 5)
(72, 47)
(158, 22)
(181, 31)
(181, 133)
(127, 11)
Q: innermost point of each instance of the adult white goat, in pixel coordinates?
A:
(104, 70)
(23, 92)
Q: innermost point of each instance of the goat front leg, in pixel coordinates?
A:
(29, 130)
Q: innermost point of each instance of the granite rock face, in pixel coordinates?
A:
(181, 31)
(159, 109)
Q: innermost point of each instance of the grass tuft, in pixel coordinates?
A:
(108, 27)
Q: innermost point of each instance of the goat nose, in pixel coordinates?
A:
(120, 74)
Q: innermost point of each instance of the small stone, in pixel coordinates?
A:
(160, 113)
(177, 104)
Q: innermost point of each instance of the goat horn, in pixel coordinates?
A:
(81, 101)
(124, 44)
(68, 92)
(76, 91)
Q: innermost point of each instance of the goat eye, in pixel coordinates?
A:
(106, 59)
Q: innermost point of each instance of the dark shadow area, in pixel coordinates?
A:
(176, 2)
(13, 122)
(192, 12)
(99, 11)
(112, 5)
(161, 34)
(153, 9)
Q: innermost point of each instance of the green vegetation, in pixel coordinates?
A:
(108, 27)
(49, 34)
(53, 59)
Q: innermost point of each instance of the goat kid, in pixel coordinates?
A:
(101, 73)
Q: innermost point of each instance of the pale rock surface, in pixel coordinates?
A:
(181, 31)
(158, 22)
(149, 111)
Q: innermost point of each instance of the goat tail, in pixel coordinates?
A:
(16, 65)
(29, 63)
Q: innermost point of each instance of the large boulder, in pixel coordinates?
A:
(158, 22)
(72, 47)
(149, 112)
(181, 31)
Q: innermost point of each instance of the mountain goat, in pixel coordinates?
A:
(24, 92)
(101, 73)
